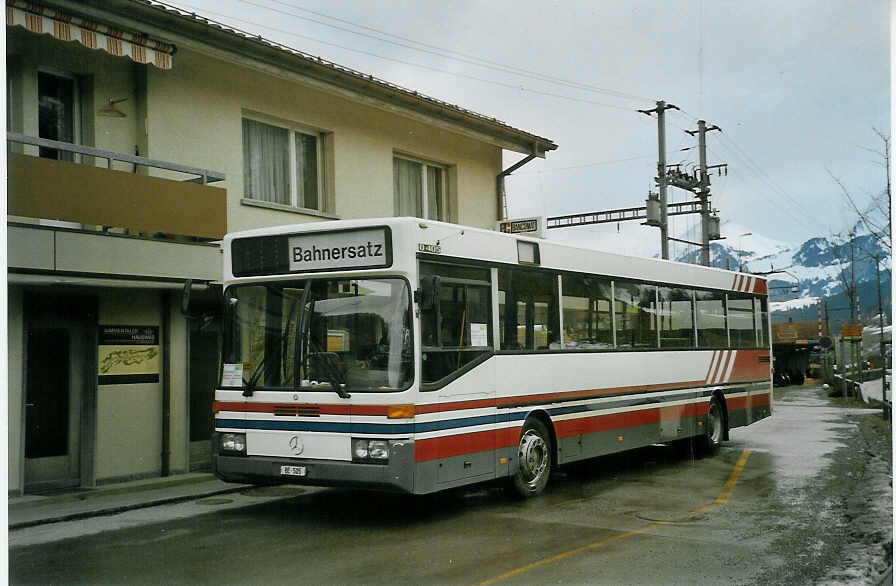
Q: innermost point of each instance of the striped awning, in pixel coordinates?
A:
(93, 35)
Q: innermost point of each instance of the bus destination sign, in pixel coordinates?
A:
(321, 251)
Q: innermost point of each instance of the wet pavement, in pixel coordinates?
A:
(803, 497)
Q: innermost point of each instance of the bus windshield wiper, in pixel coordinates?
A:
(331, 369)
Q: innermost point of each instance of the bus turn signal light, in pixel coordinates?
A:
(400, 412)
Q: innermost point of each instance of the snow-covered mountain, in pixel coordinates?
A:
(818, 269)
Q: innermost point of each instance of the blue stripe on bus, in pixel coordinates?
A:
(445, 424)
(315, 426)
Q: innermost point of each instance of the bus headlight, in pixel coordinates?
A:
(375, 451)
(233, 442)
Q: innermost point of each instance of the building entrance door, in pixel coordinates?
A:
(204, 333)
(56, 368)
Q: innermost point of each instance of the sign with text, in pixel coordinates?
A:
(528, 226)
(356, 249)
(128, 354)
(851, 332)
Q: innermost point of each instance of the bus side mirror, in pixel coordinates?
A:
(429, 292)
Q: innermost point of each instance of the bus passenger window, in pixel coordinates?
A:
(456, 328)
(740, 320)
(676, 316)
(761, 321)
(635, 315)
(587, 323)
(711, 325)
(529, 310)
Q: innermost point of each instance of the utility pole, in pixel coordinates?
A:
(705, 211)
(660, 110)
(880, 325)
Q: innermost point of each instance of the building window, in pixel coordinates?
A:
(420, 189)
(56, 113)
(283, 166)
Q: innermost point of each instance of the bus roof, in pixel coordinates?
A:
(413, 236)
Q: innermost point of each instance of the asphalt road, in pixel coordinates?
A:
(803, 497)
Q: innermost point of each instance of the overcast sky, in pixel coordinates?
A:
(796, 86)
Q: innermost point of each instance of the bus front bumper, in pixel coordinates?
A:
(396, 475)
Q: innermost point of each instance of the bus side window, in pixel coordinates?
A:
(740, 320)
(676, 315)
(529, 309)
(761, 321)
(636, 325)
(587, 322)
(455, 324)
(711, 322)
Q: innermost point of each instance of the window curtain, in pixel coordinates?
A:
(435, 204)
(265, 162)
(408, 183)
(306, 171)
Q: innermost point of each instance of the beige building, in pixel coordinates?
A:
(137, 137)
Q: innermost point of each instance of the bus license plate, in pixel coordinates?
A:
(292, 471)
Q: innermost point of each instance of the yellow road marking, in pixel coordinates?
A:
(720, 500)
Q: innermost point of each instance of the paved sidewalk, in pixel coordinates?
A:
(30, 510)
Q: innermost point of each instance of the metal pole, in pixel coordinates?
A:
(704, 195)
(661, 177)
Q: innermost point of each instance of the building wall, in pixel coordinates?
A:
(192, 115)
(100, 77)
(129, 416)
(195, 114)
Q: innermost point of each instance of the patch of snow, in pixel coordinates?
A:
(798, 303)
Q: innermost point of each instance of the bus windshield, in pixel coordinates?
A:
(322, 334)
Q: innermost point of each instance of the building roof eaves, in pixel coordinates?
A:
(192, 24)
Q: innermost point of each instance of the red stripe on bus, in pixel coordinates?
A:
(469, 443)
(747, 366)
(454, 445)
(325, 409)
(754, 400)
(614, 421)
(714, 376)
(589, 393)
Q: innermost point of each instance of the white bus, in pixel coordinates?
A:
(412, 355)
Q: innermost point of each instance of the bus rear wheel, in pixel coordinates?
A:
(534, 459)
(714, 429)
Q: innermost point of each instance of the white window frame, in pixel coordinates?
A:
(294, 128)
(425, 188)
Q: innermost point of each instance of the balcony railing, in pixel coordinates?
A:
(50, 189)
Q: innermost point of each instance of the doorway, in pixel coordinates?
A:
(58, 350)
(205, 334)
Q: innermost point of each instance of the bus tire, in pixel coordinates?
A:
(713, 430)
(534, 460)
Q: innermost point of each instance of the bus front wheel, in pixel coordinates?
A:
(534, 458)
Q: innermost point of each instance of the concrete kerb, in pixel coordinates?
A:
(91, 503)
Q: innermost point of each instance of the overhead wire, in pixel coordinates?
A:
(791, 203)
(585, 165)
(442, 51)
(511, 86)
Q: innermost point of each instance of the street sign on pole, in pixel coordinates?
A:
(851, 332)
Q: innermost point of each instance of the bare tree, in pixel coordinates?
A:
(875, 216)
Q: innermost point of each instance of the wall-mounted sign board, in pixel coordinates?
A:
(128, 354)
